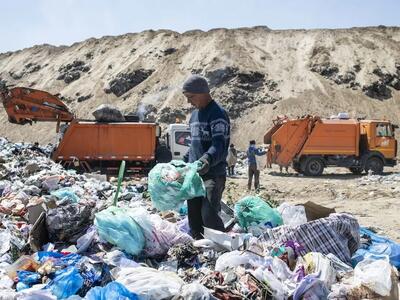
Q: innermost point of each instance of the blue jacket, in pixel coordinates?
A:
(210, 135)
(252, 151)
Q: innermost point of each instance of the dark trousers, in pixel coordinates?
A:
(203, 211)
(231, 170)
(256, 173)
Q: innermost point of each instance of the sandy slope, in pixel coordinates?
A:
(283, 58)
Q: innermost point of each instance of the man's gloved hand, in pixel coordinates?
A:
(204, 165)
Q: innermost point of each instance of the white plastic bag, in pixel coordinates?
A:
(5, 238)
(86, 240)
(374, 274)
(261, 161)
(236, 258)
(318, 264)
(149, 283)
(292, 215)
(195, 291)
(160, 235)
(279, 290)
(117, 258)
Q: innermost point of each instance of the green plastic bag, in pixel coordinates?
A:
(170, 184)
(118, 227)
(254, 211)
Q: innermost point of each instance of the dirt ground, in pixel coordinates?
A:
(374, 201)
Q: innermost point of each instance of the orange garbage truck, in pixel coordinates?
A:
(310, 144)
(88, 145)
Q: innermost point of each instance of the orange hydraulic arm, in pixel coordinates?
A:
(287, 137)
(24, 105)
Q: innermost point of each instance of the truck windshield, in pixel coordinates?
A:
(383, 130)
(182, 138)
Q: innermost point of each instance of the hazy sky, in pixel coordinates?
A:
(24, 23)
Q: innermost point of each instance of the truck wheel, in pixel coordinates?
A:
(313, 166)
(163, 154)
(356, 170)
(375, 164)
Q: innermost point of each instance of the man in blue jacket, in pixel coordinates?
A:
(210, 135)
(252, 151)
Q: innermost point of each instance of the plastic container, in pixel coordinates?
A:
(24, 263)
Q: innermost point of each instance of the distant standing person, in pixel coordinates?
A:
(231, 160)
(252, 151)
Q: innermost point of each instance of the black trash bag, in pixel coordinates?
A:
(108, 113)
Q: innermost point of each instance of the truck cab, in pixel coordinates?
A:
(377, 136)
(178, 140)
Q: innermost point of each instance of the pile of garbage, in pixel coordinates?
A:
(391, 179)
(62, 237)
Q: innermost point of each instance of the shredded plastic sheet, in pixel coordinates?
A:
(170, 184)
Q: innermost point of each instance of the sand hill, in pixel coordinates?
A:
(256, 73)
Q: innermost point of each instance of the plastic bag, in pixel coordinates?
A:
(253, 210)
(23, 263)
(340, 267)
(292, 215)
(170, 184)
(149, 283)
(68, 222)
(118, 227)
(160, 235)
(236, 258)
(51, 182)
(112, 291)
(5, 238)
(118, 259)
(320, 265)
(311, 288)
(34, 294)
(375, 274)
(26, 279)
(261, 162)
(66, 193)
(66, 283)
(108, 113)
(380, 248)
(86, 240)
(195, 291)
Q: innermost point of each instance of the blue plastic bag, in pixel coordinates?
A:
(118, 227)
(26, 279)
(41, 256)
(66, 193)
(311, 287)
(379, 249)
(112, 291)
(254, 211)
(67, 282)
(170, 184)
